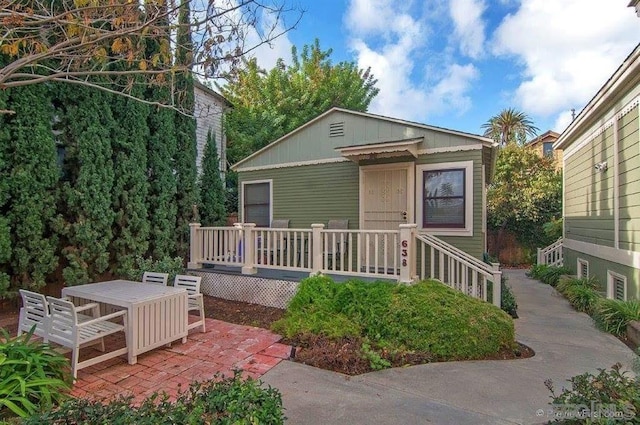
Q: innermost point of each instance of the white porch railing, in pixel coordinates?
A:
(551, 255)
(457, 269)
(388, 254)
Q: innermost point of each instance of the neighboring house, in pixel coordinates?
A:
(377, 172)
(209, 111)
(543, 146)
(601, 199)
(635, 4)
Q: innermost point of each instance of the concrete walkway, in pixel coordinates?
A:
(474, 392)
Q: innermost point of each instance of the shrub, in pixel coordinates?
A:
(172, 266)
(226, 401)
(427, 317)
(32, 376)
(508, 299)
(613, 315)
(612, 395)
(581, 293)
(547, 274)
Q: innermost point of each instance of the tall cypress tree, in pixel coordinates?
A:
(185, 160)
(87, 201)
(131, 226)
(5, 236)
(212, 211)
(32, 181)
(161, 152)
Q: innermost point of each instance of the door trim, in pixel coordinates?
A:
(410, 167)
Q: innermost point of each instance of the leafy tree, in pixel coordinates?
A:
(510, 126)
(185, 159)
(213, 212)
(31, 178)
(525, 194)
(86, 124)
(80, 43)
(268, 105)
(131, 226)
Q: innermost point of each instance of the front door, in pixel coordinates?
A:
(384, 201)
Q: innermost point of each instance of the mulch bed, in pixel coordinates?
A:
(343, 355)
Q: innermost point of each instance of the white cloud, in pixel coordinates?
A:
(469, 27)
(394, 43)
(563, 121)
(567, 48)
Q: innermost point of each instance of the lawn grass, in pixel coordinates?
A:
(427, 317)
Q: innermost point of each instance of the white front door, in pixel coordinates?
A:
(385, 192)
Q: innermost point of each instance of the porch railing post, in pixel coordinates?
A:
(407, 253)
(539, 256)
(195, 245)
(497, 285)
(248, 249)
(316, 248)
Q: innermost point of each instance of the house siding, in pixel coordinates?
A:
(312, 194)
(598, 269)
(209, 112)
(629, 180)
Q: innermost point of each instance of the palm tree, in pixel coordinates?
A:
(510, 126)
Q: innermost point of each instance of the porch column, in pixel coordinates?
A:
(316, 248)
(248, 249)
(540, 260)
(407, 252)
(195, 244)
(497, 285)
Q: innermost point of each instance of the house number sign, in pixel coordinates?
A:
(403, 252)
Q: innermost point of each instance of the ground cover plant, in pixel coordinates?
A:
(547, 274)
(582, 293)
(230, 400)
(33, 377)
(395, 324)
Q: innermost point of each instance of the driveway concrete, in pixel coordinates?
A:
(473, 392)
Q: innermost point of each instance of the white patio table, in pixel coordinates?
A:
(157, 315)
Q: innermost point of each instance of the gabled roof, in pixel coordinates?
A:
(616, 85)
(480, 139)
(211, 92)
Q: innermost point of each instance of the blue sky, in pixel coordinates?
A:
(455, 63)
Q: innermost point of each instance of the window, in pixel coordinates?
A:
(583, 269)
(443, 198)
(617, 286)
(444, 194)
(547, 148)
(256, 203)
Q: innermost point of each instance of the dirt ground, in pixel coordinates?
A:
(342, 356)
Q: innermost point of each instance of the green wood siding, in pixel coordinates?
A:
(588, 199)
(313, 143)
(312, 194)
(629, 181)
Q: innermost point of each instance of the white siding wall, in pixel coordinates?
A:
(209, 109)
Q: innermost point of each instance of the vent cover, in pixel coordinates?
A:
(336, 129)
(619, 288)
(584, 269)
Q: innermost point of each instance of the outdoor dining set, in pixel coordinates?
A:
(150, 313)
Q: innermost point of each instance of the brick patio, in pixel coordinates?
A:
(223, 348)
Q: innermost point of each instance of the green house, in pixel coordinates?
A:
(376, 173)
(602, 185)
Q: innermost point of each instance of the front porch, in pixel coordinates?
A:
(265, 264)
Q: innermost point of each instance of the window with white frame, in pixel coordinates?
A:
(583, 269)
(616, 286)
(445, 198)
(256, 203)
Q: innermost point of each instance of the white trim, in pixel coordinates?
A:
(292, 164)
(611, 294)
(244, 183)
(468, 195)
(460, 148)
(616, 185)
(579, 263)
(484, 207)
(409, 166)
(619, 256)
(588, 138)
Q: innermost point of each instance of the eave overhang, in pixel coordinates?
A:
(391, 149)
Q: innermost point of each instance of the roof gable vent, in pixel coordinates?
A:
(336, 129)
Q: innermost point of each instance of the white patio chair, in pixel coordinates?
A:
(35, 312)
(154, 278)
(196, 300)
(65, 328)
